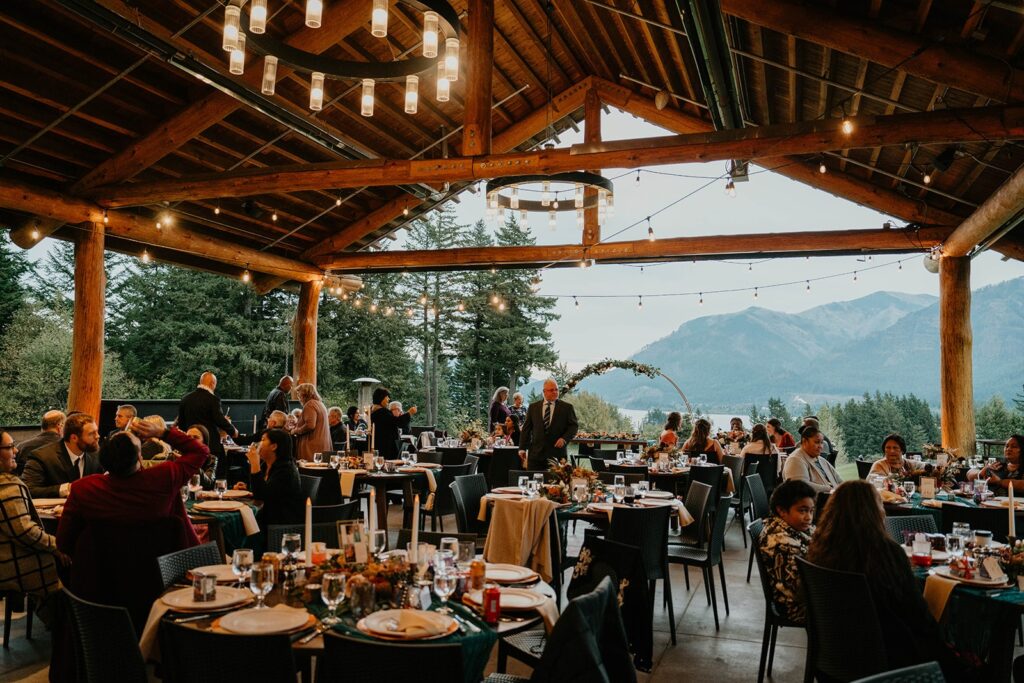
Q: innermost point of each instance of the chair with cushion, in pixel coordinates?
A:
(925, 524)
(453, 455)
(707, 558)
(337, 513)
(310, 486)
(502, 461)
(696, 504)
(359, 659)
(174, 566)
(863, 467)
(759, 508)
(844, 637)
(466, 494)
(195, 655)
(929, 672)
(444, 502)
(106, 645)
(774, 619)
(323, 532)
(632, 479)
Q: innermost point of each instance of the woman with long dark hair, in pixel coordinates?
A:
(759, 444)
(669, 438)
(779, 436)
(700, 441)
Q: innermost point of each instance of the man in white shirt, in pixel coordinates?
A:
(804, 463)
(549, 427)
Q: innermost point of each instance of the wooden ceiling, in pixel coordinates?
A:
(104, 93)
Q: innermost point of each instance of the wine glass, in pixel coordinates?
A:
(954, 545)
(444, 586)
(531, 488)
(424, 558)
(378, 542)
(909, 488)
(378, 462)
(411, 459)
(449, 544)
(195, 485)
(467, 551)
(241, 564)
(539, 479)
(620, 456)
(524, 484)
(261, 581)
(318, 458)
(290, 544)
(619, 492)
(220, 486)
(332, 592)
(619, 480)
(335, 461)
(702, 459)
(579, 493)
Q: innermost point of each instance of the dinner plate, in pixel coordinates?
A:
(48, 502)
(221, 571)
(944, 572)
(230, 494)
(381, 625)
(507, 489)
(183, 601)
(937, 555)
(1004, 503)
(600, 507)
(514, 599)
(219, 506)
(253, 622)
(509, 573)
(658, 494)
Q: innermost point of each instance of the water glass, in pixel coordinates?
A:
(579, 493)
(909, 488)
(335, 461)
(195, 485)
(531, 488)
(378, 541)
(204, 587)
(619, 480)
(954, 545)
(424, 558)
(220, 486)
(290, 545)
(450, 544)
(444, 586)
(620, 456)
(378, 462)
(261, 581)
(524, 483)
(332, 592)
(467, 553)
(963, 530)
(619, 492)
(539, 478)
(702, 459)
(444, 558)
(241, 564)
(411, 459)
(318, 458)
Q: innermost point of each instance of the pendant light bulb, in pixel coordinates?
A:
(513, 201)
(145, 256)
(379, 19)
(366, 108)
(730, 188)
(650, 232)
(106, 218)
(430, 21)
(576, 302)
(847, 126)
(216, 211)
(269, 75)
(640, 303)
(232, 25)
(316, 91)
(236, 63)
(273, 216)
(258, 17)
(412, 94)
(822, 168)
(927, 178)
(701, 302)
(444, 86)
(451, 58)
(246, 276)
(314, 13)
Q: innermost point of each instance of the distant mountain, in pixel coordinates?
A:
(886, 341)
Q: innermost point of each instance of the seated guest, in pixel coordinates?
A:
(355, 419)
(277, 485)
(50, 470)
(28, 555)
(122, 418)
(736, 433)
(779, 436)
(154, 447)
(1001, 476)
(50, 432)
(294, 418)
(827, 447)
(759, 443)
(804, 463)
(669, 438)
(786, 535)
(338, 430)
(851, 537)
(386, 426)
(511, 431)
(893, 448)
(700, 441)
(277, 420)
(497, 437)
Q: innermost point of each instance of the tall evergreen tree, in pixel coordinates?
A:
(14, 269)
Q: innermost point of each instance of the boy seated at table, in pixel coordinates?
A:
(785, 537)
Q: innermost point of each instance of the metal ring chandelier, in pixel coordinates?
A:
(549, 202)
(440, 46)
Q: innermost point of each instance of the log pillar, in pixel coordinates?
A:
(86, 388)
(476, 135)
(304, 332)
(591, 133)
(955, 361)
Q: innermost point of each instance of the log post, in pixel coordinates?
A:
(955, 362)
(304, 332)
(86, 387)
(591, 133)
(476, 136)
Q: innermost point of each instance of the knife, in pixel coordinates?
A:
(305, 640)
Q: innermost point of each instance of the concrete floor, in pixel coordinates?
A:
(700, 654)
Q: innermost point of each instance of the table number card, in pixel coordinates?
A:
(927, 487)
(942, 459)
(992, 568)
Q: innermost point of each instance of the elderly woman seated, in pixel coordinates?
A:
(28, 555)
(894, 449)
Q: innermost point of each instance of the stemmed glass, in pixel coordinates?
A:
(444, 586)
(378, 462)
(954, 545)
(195, 485)
(241, 564)
(531, 488)
(261, 581)
(378, 542)
(641, 488)
(619, 492)
(424, 558)
(619, 480)
(184, 494)
(467, 551)
(579, 493)
(909, 488)
(290, 544)
(332, 592)
(220, 486)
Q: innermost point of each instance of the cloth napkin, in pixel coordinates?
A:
(249, 521)
(520, 534)
(415, 624)
(485, 501)
(348, 480)
(148, 642)
(890, 497)
(936, 593)
(548, 611)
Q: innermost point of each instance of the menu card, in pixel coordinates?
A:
(927, 487)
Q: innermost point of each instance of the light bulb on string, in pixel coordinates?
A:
(106, 218)
(927, 179)
(730, 188)
(701, 302)
(462, 306)
(405, 211)
(35, 234)
(495, 299)
(576, 302)
(750, 267)
(373, 307)
(216, 210)
(637, 180)
(145, 256)
(855, 276)
(389, 310)
(273, 216)
(808, 285)
(822, 168)
(755, 292)
(246, 276)
(847, 126)
(650, 230)
(408, 312)
(554, 204)
(359, 303)
(640, 303)
(337, 202)
(900, 265)
(501, 305)
(423, 300)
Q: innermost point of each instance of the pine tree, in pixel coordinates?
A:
(14, 269)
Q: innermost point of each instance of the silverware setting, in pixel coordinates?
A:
(319, 630)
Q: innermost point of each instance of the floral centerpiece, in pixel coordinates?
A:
(473, 432)
(387, 577)
(949, 474)
(565, 474)
(619, 436)
(1012, 559)
(726, 438)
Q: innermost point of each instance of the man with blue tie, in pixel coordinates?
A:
(549, 427)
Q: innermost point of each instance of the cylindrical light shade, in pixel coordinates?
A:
(524, 218)
(258, 16)
(444, 86)
(578, 203)
(236, 64)
(379, 19)
(451, 58)
(232, 23)
(513, 201)
(366, 108)
(269, 74)
(579, 218)
(545, 196)
(430, 34)
(314, 13)
(316, 91)
(412, 94)
(552, 220)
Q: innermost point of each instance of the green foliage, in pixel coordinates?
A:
(864, 423)
(778, 408)
(994, 420)
(14, 269)
(597, 415)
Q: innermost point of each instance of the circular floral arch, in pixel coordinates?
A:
(603, 366)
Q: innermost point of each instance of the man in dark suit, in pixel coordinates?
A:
(51, 469)
(51, 431)
(122, 418)
(549, 427)
(277, 400)
(201, 406)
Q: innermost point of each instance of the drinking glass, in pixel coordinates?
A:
(335, 461)
(467, 552)
(220, 486)
(261, 581)
(378, 462)
(619, 492)
(991, 462)
(378, 542)
(620, 456)
(909, 488)
(450, 544)
(290, 544)
(318, 458)
(444, 586)
(184, 494)
(195, 485)
(524, 484)
(539, 479)
(241, 564)
(579, 493)
(332, 592)
(954, 545)
(444, 560)
(411, 459)
(702, 460)
(619, 480)
(641, 488)
(963, 530)
(531, 488)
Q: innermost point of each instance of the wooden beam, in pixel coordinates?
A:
(980, 124)
(476, 134)
(956, 373)
(792, 243)
(304, 332)
(591, 135)
(86, 388)
(953, 65)
(55, 206)
(1000, 207)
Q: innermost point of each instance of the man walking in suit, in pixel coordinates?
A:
(549, 427)
(50, 432)
(51, 469)
(201, 406)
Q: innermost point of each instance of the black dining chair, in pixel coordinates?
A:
(328, 491)
(863, 467)
(474, 462)
(337, 513)
(429, 457)
(759, 509)
(174, 566)
(767, 469)
(209, 528)
(453, 455)
(994, 519)
(712, 475)
(106, 644)
(502, 461)
(740, 469)
(707, 558)
(310, 486)
(774, 618)
(444, 503)
(15, 601)
(323, 532)
(929, 672)
(189, 655)
(697, 504)
(895, 526)
(360, 659)
(467, 491)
